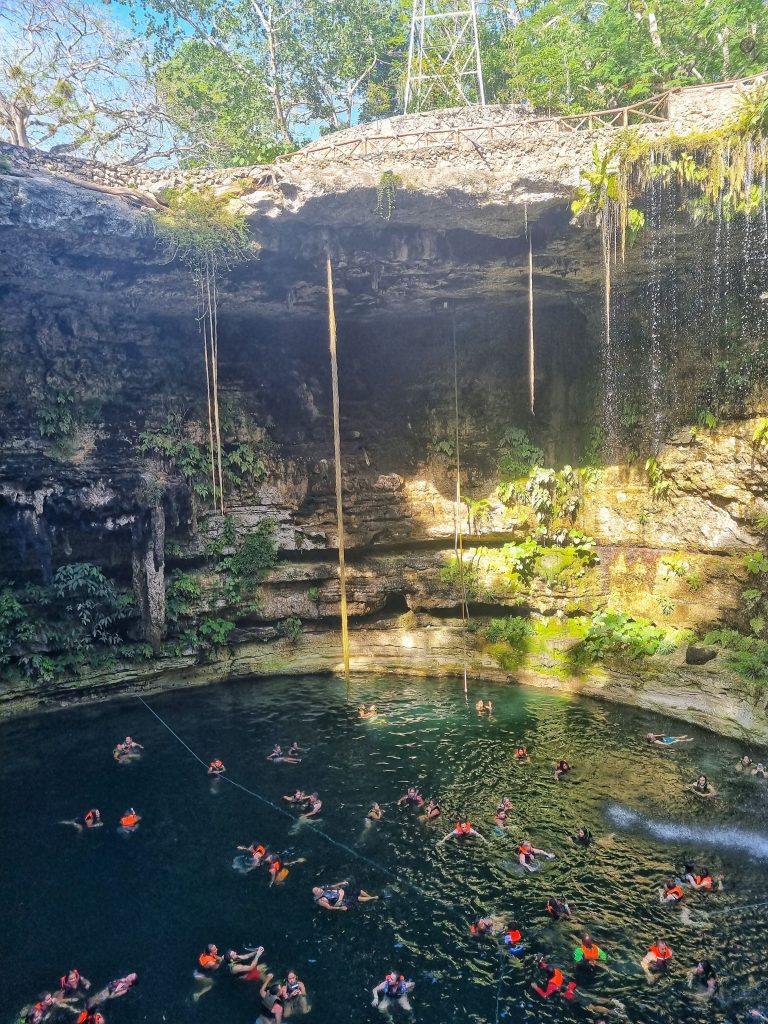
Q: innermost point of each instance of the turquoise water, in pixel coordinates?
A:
(151, 902)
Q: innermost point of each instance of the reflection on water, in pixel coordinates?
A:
(151, 901)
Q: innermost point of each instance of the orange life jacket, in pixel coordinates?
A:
(675, 891)
(275, 866)
(557, 978)
(463, 828)
(590, 952)
(659, 955)
(207, 961)
(526, 852)
(129, 820)
(90, 817)
(257, 851)
(704, 880)
(217, 765)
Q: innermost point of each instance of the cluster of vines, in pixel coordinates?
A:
(199, 231)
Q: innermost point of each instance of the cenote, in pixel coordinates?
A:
(150, 902)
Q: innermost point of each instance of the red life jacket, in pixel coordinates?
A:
(90, 817)
(129, 820)
(675, 891)
(63, 980)
(557, 978)
(659, 955)
(514, 936)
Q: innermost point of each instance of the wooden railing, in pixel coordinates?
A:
(654, 110)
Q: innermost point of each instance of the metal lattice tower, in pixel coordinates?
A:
(444, 67)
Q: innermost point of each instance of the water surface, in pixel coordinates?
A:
(150, 903)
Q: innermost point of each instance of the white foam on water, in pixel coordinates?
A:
(753, 843)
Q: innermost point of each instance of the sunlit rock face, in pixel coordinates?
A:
(92, 314)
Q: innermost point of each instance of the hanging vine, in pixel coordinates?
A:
(385, 194)
(198, 230)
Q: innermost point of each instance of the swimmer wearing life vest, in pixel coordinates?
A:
(701, 878)
(502, 812)
(527, 854)
(91, 819)
(461, 830)
(243, 965)
(413, 797)
(340, 896)
(588, 951)
(394, 990)
(256, 852)
(216, 767)
(483, 927)
(554, 983)
(129, 822)
(521, 754)
(208, 963)
(72, 986)
(562, 768)
(657, 740)
(702, 787)
(278, 757)
(672, 893)
(431, 811)
(41, 1010)
(115, 989)
(656, 960)
(513, 940)
(129, 748)
(294, 995)
(88, 1017)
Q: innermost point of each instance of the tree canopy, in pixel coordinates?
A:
(239, 82)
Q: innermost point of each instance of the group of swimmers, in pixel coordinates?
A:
(127, 750)
(280, 999)
(72, 997)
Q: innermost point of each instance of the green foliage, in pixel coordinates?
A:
(513, 630)
(255, 554)
(62, 412)
(593, 450)
(614, 634)
(658, 480)
(694, 581)
(199, 229)
(441, 446)
(706, 418)
(553, 496)
(761, 522)
(667, 606)
(462, 577)
(756, 563)
(748, 655)
(290, 628)
(314, 594)
(477, 510)
(182, 593)
(385, 194)
(760, 434)
(517, 455)
(207, 637)
(643, 517)
(751, 598)
(675, 566)
(175, 443)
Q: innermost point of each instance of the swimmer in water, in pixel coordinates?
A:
(702, 787)
(256, 852)
(243, 964)
(114, 990)
(461, 830)
(88, 1017)
(502, 813)
(91, 819)
(208, 963)
(431, 810)
(558, 910)
(41, 1010)
(484, 707)
(278, 757)
(527, 854)
(745, 764)
(314, 806)
(393, 991)
(367, 712)
(294, 995)
(129, 748)
(562, 768)
(413, 797)
(216, 768)
(701, 878)
(129, 822)
(271, 1001)
(672, 893)
(298, 798)
(294, 750)
(521, 754)
(658, 740)
(656, 960)
(588, 951)
(72, 987)
(513, 940)
(554, 983)
(760, 771)
(340, 896)
(375, 813)
(703, 979)
(485, 927)
(582, 837)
